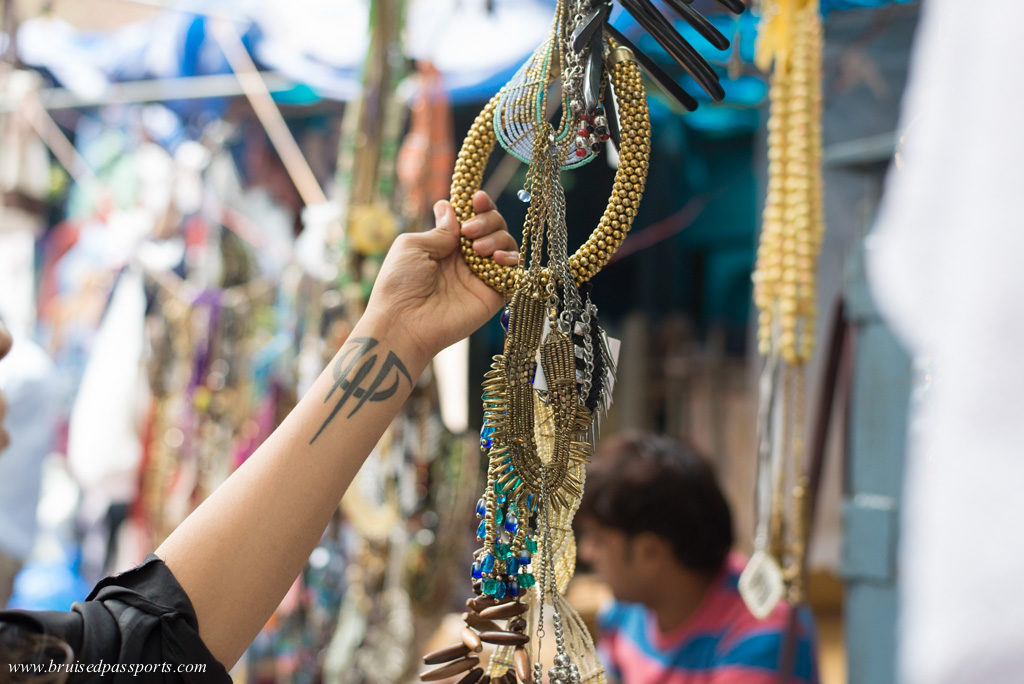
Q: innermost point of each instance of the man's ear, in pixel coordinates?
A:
(650, 548)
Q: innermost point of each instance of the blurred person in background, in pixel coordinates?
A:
(656, 527)
(29, 410)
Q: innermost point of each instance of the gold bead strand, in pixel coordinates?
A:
(796, 209)
(627, 188)
(815, 236)
(768, 272)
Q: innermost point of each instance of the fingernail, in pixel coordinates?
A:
(438, 210)
(469, 225)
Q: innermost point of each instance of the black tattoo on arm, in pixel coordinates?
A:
(351, 371)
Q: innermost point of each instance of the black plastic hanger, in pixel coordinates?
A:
(655, 23)
(654, 72)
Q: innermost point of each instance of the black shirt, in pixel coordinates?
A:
(140, 623)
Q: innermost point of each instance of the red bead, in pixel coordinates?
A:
(583, 133)
(581, 152)
(605, 137)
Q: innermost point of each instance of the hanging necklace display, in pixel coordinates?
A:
(543, 394)
(790, 42)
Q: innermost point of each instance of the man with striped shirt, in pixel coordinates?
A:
(656, 527)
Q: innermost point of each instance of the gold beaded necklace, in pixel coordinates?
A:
(627, 188)
(790, 41)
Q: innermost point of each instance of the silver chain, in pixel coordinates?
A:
(573, 79)
(558, 252)
(588, 349)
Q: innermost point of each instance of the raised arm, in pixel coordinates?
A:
(239, 552)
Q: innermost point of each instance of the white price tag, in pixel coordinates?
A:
(761, 585)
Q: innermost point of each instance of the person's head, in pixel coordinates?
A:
(652, 510)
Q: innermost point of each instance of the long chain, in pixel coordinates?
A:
(588, 349)
(572, 81)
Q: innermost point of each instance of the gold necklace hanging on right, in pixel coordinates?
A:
(790, 43)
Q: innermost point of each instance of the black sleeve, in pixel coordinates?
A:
(139, 618)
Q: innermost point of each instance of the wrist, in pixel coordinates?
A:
(392, 336)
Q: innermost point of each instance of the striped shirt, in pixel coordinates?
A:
(720, 643)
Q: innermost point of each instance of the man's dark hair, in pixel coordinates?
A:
(648, 483)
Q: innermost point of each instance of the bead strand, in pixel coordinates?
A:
(627, 187)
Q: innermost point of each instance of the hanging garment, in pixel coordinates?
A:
(945, 267)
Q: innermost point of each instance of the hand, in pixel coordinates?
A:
(426, 292)
(5, 346)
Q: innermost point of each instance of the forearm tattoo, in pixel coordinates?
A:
(352, 378)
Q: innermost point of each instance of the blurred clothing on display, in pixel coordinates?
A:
(945, 267)
(31, 388)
